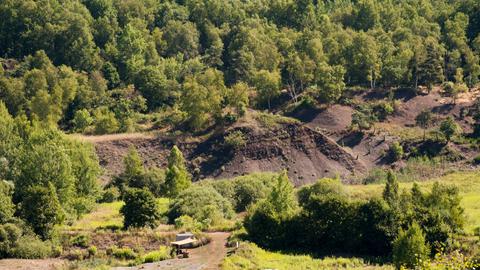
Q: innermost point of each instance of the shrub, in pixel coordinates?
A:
(122, 253)
(201, 203)
(323, 187)
(82, 120)
(248, 192)
(395, 151)
(449, 128)
(476, 231)
(163, 253)
(110, 194)
(244, 190)
(42, 210)
(187, 223)
(105, 121)
(30, 247)
(152, 179)
(376, 175)
(92, 251)
(382, 110)
(6, 204)
(9, 235)
(140, 209)
(476, 160)
(409, 249)
(235, 139)
(80, 241)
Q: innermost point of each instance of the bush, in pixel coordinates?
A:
(9, 235)
(140, 209)
(82, 120)
(409, 249)
(105, 121)
(235, 139)
(449, 128)
(395, 151)
(375, 176)
(476, 160)
(80, 241)
(122, 253)
(163, 253)
(153, 179)
(42, 210)
(92, 251)
(382, 110)
(187, 223)
(30, 247)
(244, 190)
(476, 231)
(6, 204)
(204, 204)
(248, 192)
(323, 187)
(110, 194)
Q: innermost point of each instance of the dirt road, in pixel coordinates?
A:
(19, 264)
(207, 257)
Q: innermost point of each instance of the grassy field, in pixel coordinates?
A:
(467, 182)
(107, 215)
(249, 256)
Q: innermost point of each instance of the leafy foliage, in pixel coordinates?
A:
(203, 204)
(71, 56)
(140, 209)
(177, 177)
(409, 249)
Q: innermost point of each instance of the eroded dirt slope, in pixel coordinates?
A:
(308, 154)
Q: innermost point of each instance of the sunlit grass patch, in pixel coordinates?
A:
(107, 215)
(104, 215)
(249, 256)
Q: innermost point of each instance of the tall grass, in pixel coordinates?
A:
(249, 256)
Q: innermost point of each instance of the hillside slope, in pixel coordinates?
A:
(308, 154)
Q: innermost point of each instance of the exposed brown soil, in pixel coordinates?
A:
(323, 146)
(333, 119)
(21, 264)
(306, 153)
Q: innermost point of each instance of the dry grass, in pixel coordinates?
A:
(111, 137)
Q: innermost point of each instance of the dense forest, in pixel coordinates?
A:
(187, 67)
(94, 65)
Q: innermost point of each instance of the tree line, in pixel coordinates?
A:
(99, 62)
(406, 225)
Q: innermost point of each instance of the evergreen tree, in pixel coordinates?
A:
(177, 177)
(133, 163)
(391, 193)
(410, 249)
(140, 209)
(430, 69)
